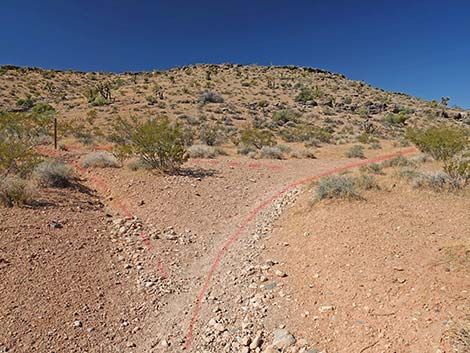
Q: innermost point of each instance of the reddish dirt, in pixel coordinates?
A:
(393, 267)
(52, 277)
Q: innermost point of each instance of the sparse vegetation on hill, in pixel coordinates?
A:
(292, 103)
(441, 142)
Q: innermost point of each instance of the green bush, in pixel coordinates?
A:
(305, 95)
(25, 103)
(396, 119)
(440, 142)
(286, 115)
(251, 137)
(19, 135)
(312, 135)
(160, 144)
(16, 191)
(53, 173)
(356, 151)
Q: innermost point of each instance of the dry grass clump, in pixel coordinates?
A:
(16, 191)
(53, 173)
(356, 151)
(398, 161)
(204, 151)
(303, 154)
(344, 186)
(210, 97)
(336, 187)
(374, 168)
(269, 152)
(100, 159)
(137, 164)
(366, 182)
(437, 181)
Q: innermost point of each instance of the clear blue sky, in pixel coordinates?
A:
(418, 47)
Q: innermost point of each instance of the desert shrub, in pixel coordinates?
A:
(18, 137)
(284, 148)
(203, 151)
(407, 172)
(100, 159)
(458, 168)
(43, 109)
(284, 116)
(210, 135)
(356, 151)
(100, 94)
(311, 135)
(366, 138)
(422, 158)
(305, 95)
(440, 142)
(151, 99)
(251, 137)
(336, 187)
(374, 168)
(263, 103)
(245, 150)
(271, 152)
(365, 182)
(396, 119)
(25, 103)
(53, 173)
(160, 144)
(210, 97)
(398, 161)
(137, 164)
(99, 102)
(307, 153)
(16, 191)
(375, 146)
(436, 181)
(188, 135)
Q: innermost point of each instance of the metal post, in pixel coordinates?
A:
(55, 133)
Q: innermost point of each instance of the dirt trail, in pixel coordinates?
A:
(205, 212)
(209, 210)
(186, 220)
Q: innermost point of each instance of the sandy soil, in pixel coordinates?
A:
(390, 267)
(391, 272)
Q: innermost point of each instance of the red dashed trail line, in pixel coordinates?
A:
(254, 213)
(118, 203)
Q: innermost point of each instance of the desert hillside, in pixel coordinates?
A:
(229, 208)
(324, 106)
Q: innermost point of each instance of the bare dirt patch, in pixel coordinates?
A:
(376, 275)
